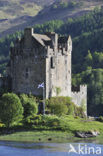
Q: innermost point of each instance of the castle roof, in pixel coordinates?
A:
(42, 39)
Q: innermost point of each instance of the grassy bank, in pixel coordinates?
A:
(62, 130)
(38, 136)
(47, 136)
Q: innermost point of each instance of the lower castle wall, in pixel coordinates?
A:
(80, 98)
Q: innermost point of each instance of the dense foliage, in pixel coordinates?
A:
(23, 109)
(11, 109)
(29, 104)
(63, 106)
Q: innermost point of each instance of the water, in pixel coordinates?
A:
(47, 149)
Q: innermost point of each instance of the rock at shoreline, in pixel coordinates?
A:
(87, 134)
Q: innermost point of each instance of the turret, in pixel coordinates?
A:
(69, 44)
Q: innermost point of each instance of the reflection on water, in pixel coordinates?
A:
(43, 149)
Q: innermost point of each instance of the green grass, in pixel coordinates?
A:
(66, 133)
(80, 124)
(38, 136)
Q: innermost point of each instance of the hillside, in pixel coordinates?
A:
(16, 15)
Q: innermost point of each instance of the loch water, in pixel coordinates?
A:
(48, 149)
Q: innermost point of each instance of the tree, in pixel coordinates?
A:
(29, 104)
(89, 58)
(11, 109)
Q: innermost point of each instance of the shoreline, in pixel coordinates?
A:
(47, 137)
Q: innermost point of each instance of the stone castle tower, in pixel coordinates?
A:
(45, 58)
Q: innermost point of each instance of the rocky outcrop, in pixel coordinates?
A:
(87, 134)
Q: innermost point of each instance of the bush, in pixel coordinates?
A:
(11, 109)
(51, 121)
(100, 119)
(34, 120)
(60, 105)
(29, 104)
(79, 111)
(57, 105)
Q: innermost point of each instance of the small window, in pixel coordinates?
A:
(52, 62)
(27, 73)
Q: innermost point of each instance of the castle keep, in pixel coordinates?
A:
(45, 58)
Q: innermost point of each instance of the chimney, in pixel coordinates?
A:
(28, 32)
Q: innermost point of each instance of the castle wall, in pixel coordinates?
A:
(26, 77)
(27, 71)
(61, 75)
(58, 73)
(80, 97)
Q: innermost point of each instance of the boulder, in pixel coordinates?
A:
(87, 134)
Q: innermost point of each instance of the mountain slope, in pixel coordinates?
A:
(16, 15)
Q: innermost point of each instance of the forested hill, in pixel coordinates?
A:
(16, 15)
(87, 35)
(86, 32)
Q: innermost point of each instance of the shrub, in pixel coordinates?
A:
(34, 120)
(29, 104)
(52, 121)
(64, 106)
(57, 105)
(60, 105)
(11, 109)
(100, 119)
(79, 111)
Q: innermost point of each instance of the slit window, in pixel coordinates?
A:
(27, 73)
(52, 62)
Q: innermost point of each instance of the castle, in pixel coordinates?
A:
(37, 58)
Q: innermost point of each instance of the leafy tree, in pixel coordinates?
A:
(29, 104)
(11, 109)
(89, 58)
(11, 44)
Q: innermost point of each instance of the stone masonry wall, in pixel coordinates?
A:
(80, 98)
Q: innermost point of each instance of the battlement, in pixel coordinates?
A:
(79, 96)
